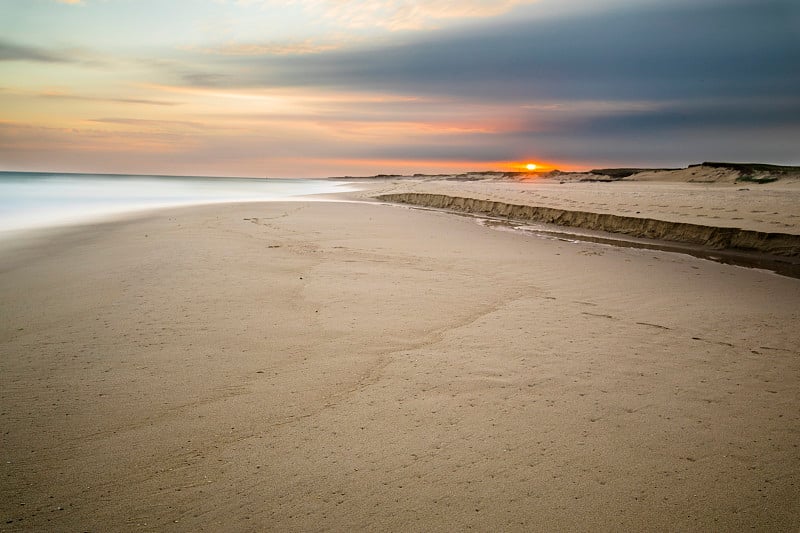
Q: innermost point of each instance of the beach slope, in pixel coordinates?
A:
(306, 366)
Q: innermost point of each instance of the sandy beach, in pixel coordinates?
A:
(406, 266)
(697, 195)
(309, 366)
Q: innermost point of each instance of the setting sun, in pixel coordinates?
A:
(529, 166)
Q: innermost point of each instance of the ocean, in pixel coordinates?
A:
(34, 200)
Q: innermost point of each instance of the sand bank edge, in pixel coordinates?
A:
(720, 238)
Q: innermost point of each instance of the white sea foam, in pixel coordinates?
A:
(35, 200)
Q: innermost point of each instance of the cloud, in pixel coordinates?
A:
(255, 49)
(15, 52)
(648, 83)
(203, 79)
(723, 49)
(139, 101)
(16, 139)
(149, 123)
(19, 52)
(397, 15)
(477, 148)
(676, 117)
(632, 83)
(70, 2)
(723, 67)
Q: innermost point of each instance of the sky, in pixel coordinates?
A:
(316, 88)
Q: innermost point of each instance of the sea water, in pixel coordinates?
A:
(34, 200)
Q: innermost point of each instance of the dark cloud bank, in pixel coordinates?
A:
(15, 52)
(708, 49)
(710, 79)
(704, 68)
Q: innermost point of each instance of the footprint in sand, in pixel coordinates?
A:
(599, 315)
(659, 326)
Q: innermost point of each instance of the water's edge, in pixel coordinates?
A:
(38, 200)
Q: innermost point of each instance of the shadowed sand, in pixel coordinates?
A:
(713, 237)
(306, 366)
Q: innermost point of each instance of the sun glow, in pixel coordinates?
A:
(532, 167)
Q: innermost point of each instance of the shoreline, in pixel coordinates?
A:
(602, 228)
(615, 225)
(31, 201)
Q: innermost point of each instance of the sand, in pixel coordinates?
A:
(347, 366)
(773, 207)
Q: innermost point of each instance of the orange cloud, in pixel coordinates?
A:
(406, 167)
(17, 139)
(396, 15)
(63, 95)
(258, 49)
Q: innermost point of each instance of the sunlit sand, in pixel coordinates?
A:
(302, 366)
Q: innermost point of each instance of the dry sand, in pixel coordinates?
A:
(773, 207)
(340, 366)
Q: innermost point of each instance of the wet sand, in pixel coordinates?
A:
(310, 366)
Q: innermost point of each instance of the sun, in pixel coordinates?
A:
(531, 166)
